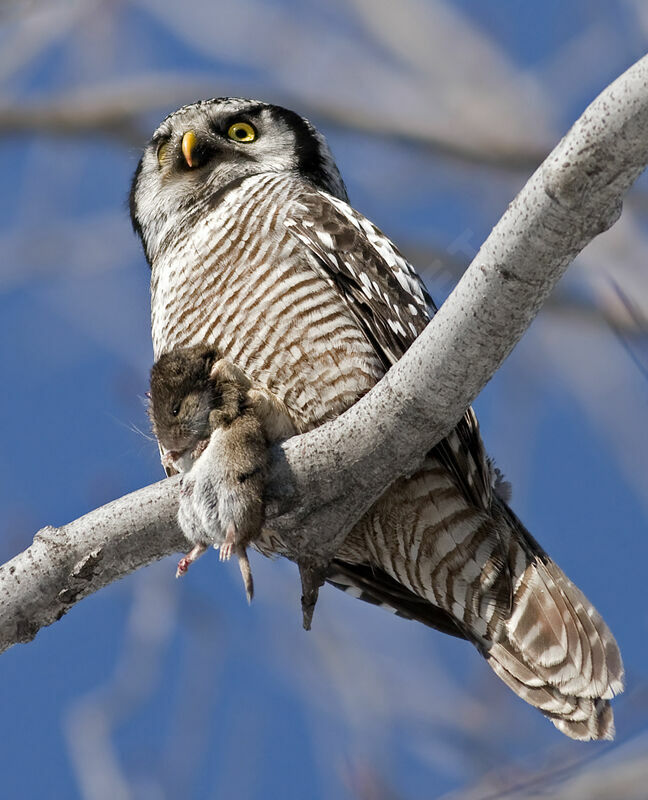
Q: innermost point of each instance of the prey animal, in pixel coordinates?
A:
(199, 399)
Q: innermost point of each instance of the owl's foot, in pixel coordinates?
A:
(186, 561)
(231, 385)
(199, 449)
(186, 486)
(238, 392)
(168, 461)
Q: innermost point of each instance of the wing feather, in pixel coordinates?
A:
(391, 306)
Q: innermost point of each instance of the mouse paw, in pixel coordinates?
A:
(186, 561)
(225, 552)
(229, 546)
(183, 566)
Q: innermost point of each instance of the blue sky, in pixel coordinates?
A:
(158, 689)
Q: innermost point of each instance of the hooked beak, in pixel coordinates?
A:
(188, 145)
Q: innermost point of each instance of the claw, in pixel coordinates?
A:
(312, 576)
(168, 459)
(199, 449)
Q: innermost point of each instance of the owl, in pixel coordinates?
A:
(245, 222)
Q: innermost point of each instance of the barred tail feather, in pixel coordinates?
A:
(480, 575)
(554, 650)
(580, 718)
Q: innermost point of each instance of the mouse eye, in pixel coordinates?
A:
(175, 410)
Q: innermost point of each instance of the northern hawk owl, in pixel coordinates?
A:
(253, 247)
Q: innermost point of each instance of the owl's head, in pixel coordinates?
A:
(203, 148)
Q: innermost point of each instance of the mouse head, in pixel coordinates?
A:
(182, 397)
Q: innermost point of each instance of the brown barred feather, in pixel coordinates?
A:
(312, 300)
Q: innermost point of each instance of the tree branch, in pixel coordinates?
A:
(117, 110)
(322, 482)
(65, 564)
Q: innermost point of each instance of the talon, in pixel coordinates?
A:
(199, 449)
(312, 576)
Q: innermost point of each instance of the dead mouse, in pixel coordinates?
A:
(197, 397)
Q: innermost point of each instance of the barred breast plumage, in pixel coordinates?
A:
(239, 279)
(308, 297)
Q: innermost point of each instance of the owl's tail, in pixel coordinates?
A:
(481, 576)
(553, 649)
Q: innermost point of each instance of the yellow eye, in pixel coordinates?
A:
(241, 132)
(161, 152)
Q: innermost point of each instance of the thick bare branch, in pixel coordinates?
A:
(65, 564)
(323, 481)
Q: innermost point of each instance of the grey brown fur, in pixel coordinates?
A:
(197, 396)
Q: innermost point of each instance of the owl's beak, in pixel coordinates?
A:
(188, 144)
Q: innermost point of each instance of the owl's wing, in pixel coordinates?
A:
(375, 586)
(382, 290)
(390, 304)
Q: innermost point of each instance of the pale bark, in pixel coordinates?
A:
(65, 564)
(323, 481)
